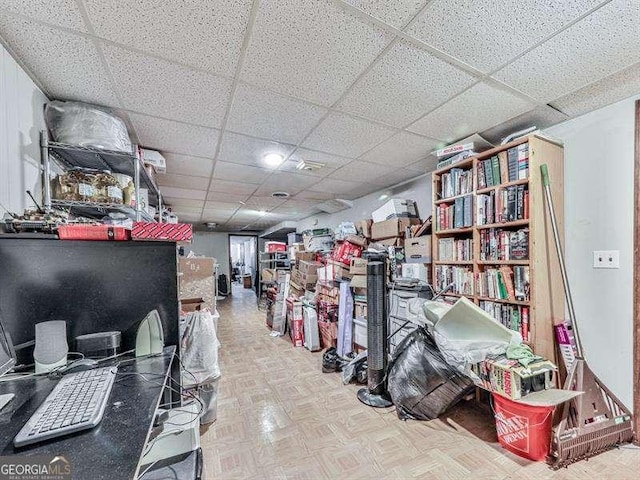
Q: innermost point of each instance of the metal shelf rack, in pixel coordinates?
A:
(127, 163)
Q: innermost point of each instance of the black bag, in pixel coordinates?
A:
(421, 383)
(223, 285)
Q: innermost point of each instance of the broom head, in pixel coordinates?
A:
(591, 423)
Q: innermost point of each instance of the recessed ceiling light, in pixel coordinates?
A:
(273, 159)
(262, 213)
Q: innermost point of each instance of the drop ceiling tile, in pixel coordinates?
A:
(64, 13)
(338, 187)
(479, 108)
(183, 181)
(396, 13)
(240, 173)
(200, 33)
(221, 207)
(187, 165)
(595, 47)
(258, 202)
(182, 210)
(346, 136)
(540, 117)
(268, 115)
(424, 166)
(182, 202)
(404, 85)
(245, 150)
(286, 181)
(215, 217)
(312, 195)
(225, 186)
(331, 162)
(188, 218)
(309, 49)
(51, 54)
(362, 172)
(618, 86)
(403, 149)
(488, 33)
(185, 193)
(176, 137)
(228, 197)
(397, 176)
(161, 88)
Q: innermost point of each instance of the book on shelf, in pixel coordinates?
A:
(461, 277)
(456, 182)
(521, 283)
(455, 250)
(503, 205)
(514, 317)
(497, 244)
(458, 214)
(507, 166)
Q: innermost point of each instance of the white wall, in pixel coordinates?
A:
(418, 190)
(598, 200)
(21, 119)
(213, 244)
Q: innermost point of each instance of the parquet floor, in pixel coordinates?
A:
(280, 417)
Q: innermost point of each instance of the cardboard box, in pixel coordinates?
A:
(418, 249)
(340, 270)
(416, 270)
(197, 280)
(188, 305)
(395, 208)
(360, 309)
(345, 251)
(294, 238)
(391, 242)
(268, 275)
(512, 380)
(163, 232)
(308, 267)
(391, 228)
(318, 243)
(360, 332)
(357, 240)
(296, 322)
(359, 281)
(295, 290)
(364, 227)
(358, 266)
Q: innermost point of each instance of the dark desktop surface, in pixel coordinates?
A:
(113, 449)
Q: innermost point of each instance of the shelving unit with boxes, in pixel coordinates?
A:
(493, 240)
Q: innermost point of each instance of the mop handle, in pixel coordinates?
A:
(565, 280)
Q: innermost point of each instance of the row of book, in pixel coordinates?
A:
(461, 277)
(514, 317)
(504, 205)
(458, 214)
(504, 283)
(455, 250)
(454, 158)
(504, 167)
(456, 182)
(497, 244)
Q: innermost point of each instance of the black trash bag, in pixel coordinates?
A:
(421, 383)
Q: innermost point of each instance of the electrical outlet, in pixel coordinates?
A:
(606, 259)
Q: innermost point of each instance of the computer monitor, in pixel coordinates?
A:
(7, 353)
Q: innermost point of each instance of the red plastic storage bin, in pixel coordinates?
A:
(93, 232)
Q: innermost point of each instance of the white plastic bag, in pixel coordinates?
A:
(467, 335)
(199, 348)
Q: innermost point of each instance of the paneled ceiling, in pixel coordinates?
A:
(366, 87)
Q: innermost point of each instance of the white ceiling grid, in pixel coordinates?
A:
(366, 87)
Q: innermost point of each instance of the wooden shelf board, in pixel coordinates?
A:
(451, 199)
(524, 181)
(454, 230)
(453, 262)
(515, 223)
(503, 262)
(500, 300)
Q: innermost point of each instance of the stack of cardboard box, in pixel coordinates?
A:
(304, 275)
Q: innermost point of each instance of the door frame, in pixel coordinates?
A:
(256, 283)
(636, 276)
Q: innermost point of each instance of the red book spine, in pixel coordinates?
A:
(524, 324)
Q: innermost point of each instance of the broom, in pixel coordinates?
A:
(595, 421)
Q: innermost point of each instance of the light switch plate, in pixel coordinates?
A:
(606, 259)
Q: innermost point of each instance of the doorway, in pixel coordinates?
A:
(243, 262)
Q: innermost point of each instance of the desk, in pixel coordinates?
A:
(113, 449)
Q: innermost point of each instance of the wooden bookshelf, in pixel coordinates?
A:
(546, 296)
